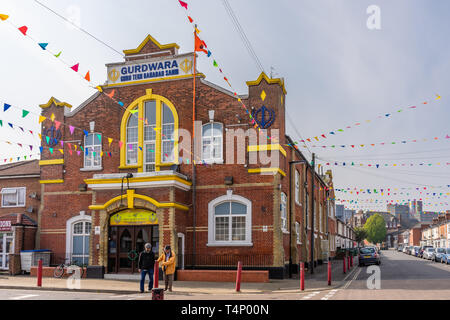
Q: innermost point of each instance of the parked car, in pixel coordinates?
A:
(428, 253)
(446, 256)
(368, 255)
(400, 248)
(405, 249)
(415, 251)
(422, 249)
(408, 249)
(437, 254)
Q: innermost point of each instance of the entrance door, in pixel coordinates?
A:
(6, 247)
(125, 244)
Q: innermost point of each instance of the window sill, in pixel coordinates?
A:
(230, 244)
(285, 231)
(213, 161)
(14, 206)
(92, 169)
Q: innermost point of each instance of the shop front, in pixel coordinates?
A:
(129, 230)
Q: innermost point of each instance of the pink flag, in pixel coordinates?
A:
(71, 129)
(57, 124)
(75, 67)
(120, 144)
(183, 4)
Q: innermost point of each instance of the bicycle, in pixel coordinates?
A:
(60, 269)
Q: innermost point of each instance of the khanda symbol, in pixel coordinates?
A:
(113, 75)
(264, 116)
(53, 135)
(186, 65)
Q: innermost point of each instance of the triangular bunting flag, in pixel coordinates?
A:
(110, 140)
(58, 54)
(25, 113)
(87, 77)
(71, 128)
(3, 17)
(190, 19)
(183, 4)
(24, 30)
(41, 119)
(111, 94)
(52, 117)
(43, 45)
(75, 67)
(6, 106)
(57, 124)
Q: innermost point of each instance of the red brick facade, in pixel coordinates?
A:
(170, 194)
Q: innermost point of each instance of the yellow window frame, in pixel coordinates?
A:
(140, 104)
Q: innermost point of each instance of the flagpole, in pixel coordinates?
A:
(194, 222)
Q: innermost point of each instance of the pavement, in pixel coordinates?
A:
(313, 283)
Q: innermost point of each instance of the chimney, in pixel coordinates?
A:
(19, 218)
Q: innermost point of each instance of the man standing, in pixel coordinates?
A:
(168, 265)
(146, 265)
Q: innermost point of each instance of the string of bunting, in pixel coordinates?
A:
(357, 124)
(200, 45)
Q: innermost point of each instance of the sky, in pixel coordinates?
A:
(337, 72)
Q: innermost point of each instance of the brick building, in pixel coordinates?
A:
(125, 176)
(19, 188)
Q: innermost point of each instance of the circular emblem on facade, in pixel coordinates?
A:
(54, 136)
(113, 75)
(117, 218)
(152, 217)
(264, 116)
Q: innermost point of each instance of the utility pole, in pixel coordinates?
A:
(313, 163)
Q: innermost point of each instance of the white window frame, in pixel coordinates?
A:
(7, 191)
(298, 232)
(164, 139)
(90, 153)
(211, 221)
(135, 143)
(283, 212)
(211, 159)
(82, 217)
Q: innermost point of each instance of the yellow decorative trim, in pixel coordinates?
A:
(138, 179)
(53, 101)
(139, 104)
(273, 170)
(146, 40)
(265, 147)
(142, 197)
(50, 162)
(130, 197)
(153, 80)
(268, 80)
(51, 181)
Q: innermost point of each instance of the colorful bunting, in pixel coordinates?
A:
(43, 45)
(24, 30)
(75, 67)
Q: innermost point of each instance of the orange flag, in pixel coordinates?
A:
(200, 44)
(88, 77)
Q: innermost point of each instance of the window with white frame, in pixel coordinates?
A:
(298, 232)
(168, 134)
(283, 211)
(132, 139)
(81, 232)
(149, 136)
(297, 187)
(321, 218)
(13, 197)
(212, 142)
(230, 221)
(92, 150)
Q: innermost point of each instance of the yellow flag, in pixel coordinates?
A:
(99, 88)
(53, 117)
(41, 118)
(110, 141)
(61, 150)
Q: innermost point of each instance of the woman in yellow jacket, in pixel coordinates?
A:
(168, 266)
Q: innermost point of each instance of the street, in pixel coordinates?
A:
(401, 277)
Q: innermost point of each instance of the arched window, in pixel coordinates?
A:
(230, 221)
(212, 142)
(78, 231)
(149, 131)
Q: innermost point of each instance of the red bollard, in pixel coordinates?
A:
(39, 273)
(156, 275)
(302, 276)
(329, 272)
(343, 260)
(238, 276)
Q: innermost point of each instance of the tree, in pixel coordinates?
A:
(360, 234)
(375, 228)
